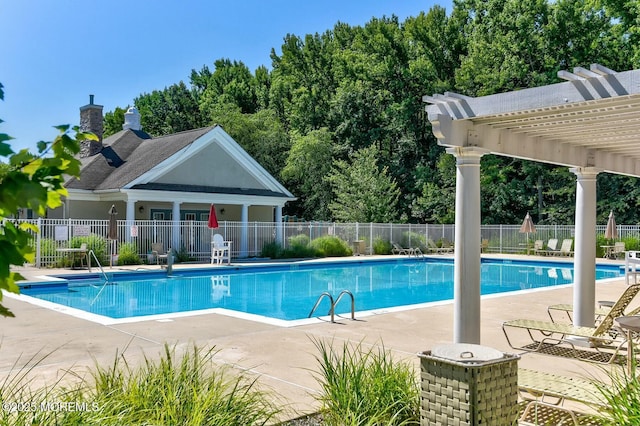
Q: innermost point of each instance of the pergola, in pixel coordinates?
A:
(591, 123)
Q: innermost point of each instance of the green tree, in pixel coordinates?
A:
(625, 14)
(113, 121)
(34, 182)
(260, 134)
(307, 166)
(172, 110)
(230, 82)
(507, 49)
(438, 193)
(362, 192)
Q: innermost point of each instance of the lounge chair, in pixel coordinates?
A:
(433, 248)
(565, 248)
(220, 250)
(398, 249)
(552, 247)
(544, 394)
(600, 312)
(547, 337)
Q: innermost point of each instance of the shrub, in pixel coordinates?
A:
(601, 241)
(414, 239)
(128, 254)
(271, 250)
(182, 255)
(300, 240)
(631, 243)
(330, 245)
(48, 250)
(366, 387)
(94, 242)
(298, 247)
(381, 246)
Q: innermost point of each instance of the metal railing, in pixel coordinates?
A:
(194, 237)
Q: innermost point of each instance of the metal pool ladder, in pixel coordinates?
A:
(104, 275)
(332, 309)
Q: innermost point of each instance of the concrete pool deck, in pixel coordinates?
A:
(283, 358)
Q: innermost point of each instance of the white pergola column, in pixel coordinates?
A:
(466, 270)
(175, 222)
(279, 224)
(244, 232)
(584, 288)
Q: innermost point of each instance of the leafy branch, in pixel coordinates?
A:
(34, 182)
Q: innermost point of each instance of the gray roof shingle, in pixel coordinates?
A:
(127, 155)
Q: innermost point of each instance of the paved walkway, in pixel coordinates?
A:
(282, 357)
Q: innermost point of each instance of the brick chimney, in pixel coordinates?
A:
(91, 121)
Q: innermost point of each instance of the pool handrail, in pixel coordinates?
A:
(353, 302)
(331, 310)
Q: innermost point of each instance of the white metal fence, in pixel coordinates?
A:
(195, 237)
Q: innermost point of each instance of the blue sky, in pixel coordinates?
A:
(54, 53)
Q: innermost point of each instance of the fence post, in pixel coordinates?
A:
(501, 246)
(255, 238)
(38, 236)
(370, 237)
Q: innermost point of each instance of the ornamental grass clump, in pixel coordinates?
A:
(330, 245)
(191, 390)
(621, 398)
(365, 386)
(173, 390)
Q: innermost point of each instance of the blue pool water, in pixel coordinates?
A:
(289, 292)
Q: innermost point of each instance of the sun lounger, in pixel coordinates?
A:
(411, 251)
(433, 248)
(544, 395)
(552, 247)
(603, 309)
(545, 335)
(398, 249)
(564, 250)
(600, 312)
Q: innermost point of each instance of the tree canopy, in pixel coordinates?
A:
(330, 95)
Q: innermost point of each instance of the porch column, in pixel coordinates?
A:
(130, 217)
(584, 287)
(244, 230)
(466, 270)
(175, 222)
(279, 225)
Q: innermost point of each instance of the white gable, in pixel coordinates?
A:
(214, 159)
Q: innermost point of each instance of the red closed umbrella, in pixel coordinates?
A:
(213, 220)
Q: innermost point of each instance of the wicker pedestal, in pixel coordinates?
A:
(469, 390)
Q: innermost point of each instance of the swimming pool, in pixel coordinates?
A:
(288, 292)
